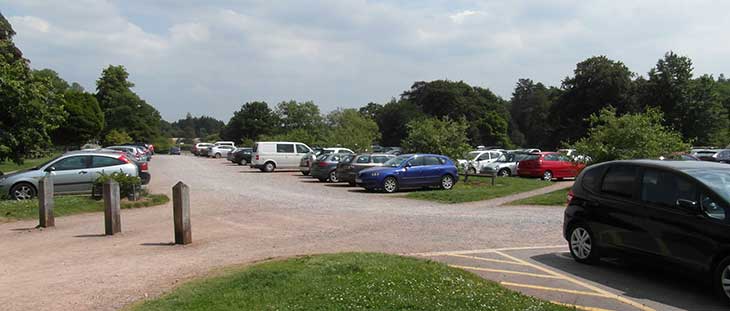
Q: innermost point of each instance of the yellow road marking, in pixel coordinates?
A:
(486, 250)
(554, 289)
(507, 272)
(486, 259)
(578, 282)
(579, 307)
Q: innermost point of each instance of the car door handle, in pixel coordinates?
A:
(82, 172)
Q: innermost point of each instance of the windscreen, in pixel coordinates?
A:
(397, 161)
(717, 180)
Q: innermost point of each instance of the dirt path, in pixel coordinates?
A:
(239, 215)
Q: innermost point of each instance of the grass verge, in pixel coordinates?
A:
(347, 281)
(69, 205)
(10, 166)
(480, 188)
(557, 197)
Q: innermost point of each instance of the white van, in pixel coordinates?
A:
(225, 143)
(270, 155)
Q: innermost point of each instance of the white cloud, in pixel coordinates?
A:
(462, 16)
(30, 23)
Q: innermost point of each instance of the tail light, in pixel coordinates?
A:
(570, 197)
(143, 166)
(123, 159)
(321, 164)
(257, 157)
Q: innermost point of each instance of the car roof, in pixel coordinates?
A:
(675, 165)
(101, 152)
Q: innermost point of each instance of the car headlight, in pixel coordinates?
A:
(373, 174)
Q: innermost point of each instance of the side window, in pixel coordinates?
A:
(417, 161)
(496, 155)
(380, 159)
(592, 178)
(363, 159)
(563, 158)
(619, 181)
(284, 148)
(335, 158)
(432, 161)
(711, 208)
(302, 149)
(72, 163)
(484, 156)
(552, 157)
(665, 188)
(97, 161)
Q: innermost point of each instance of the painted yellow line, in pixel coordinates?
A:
(507, 272)
(554, 289)
(570, 305)
(485, 250)
(578, 282)
(486, 259)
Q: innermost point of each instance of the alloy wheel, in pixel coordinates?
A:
(447, 182)
(580, 243)
(547, 175)
(725, 280)
(471, 171)
(504, 173)
(390, 185)
(333, 176)
(23, 192)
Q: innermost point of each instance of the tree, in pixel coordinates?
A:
(597, 82)
(438, 136)
(371, 110)
(56, 83)
(530, 109)
(392, 121)
(295, 115)
(29, 110)
(352, 130)
(631, 136)
(116, 137)
(123, 109)
(254, 119)
(84, 122)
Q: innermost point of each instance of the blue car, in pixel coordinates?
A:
(410, 171)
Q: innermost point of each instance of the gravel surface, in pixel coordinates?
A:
(240, 215)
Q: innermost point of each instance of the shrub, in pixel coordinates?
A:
(128, 185)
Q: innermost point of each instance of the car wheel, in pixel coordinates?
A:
(23, 191)
(503, 173)
(548, 175)
(322, 179)
(333, 176)
(351, 183)
(721, 279)
(447, 182)
(582, 244)
(217, 155)
(305, 173)
(269, 167)
(390, 185)
(471, 171)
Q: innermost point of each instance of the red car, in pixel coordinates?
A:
(549, 165)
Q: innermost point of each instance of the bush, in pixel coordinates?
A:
(128, 185)
(438, 136)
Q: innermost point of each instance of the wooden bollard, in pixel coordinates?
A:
(112, 217)
(181, 213)
(45, 203)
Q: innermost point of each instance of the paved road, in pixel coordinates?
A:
(239, 216)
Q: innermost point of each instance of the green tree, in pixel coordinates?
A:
(631, 136)
(254, 119)
(351, 129)
(117, 137)
(530, 110)
(57, 85)
(371, 110)
(438, 136)
(84, 122)
(29, 110)
(597, 82)
(392, 121)
(123, 109)
(294, 115)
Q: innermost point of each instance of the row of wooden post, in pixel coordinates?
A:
(112, 215)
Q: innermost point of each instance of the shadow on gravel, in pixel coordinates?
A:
(642, 281)
(338, 185)
(101, 235)
(24, 229)
(159, 244)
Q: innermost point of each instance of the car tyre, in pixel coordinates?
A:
(504, 173)
(333, 176)
(390, 184)
(22, 191)
(217, 155)
(322, 179)
(721, 279)
(471, 171)
(447, 182)
(269, 167)
(547, 176)
(306, 173)
(351, 183)
(581, 243)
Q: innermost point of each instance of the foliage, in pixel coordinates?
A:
(84, 122)
(192, 127)
(127, 184)
(70, 205)
(28, 163)
(479, 189)
(346, 281)
(438, 136)
(115, 137)
(29, 110)
(299, 135)
(530, 109)
(294, 115)
(392, 119)
(631, 136)
(351, 130)
(254, 119)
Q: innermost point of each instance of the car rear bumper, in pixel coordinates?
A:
(348, 176)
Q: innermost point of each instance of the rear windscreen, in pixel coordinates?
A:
(531, 157)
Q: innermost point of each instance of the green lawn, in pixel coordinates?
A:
(557, 197)
(10, 166)
(480, 188)
(69, 205)
(347, 281)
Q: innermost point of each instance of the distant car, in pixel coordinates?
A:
(201, 149)
(270, 155)
(73, 172)
(224, 143)
(475, 160)
(175, 150)
(506, 164)
(347, 171)
(242, 156)
(548, 165)
(335, 150)
(714, 155)
(220, 151)
(679, 157)
(305, 163)
(410, 171)
(139, 155)
(672, 214)
(324, 167)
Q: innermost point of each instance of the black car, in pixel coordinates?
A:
(175, 150)
(242, 156)
(671, 212)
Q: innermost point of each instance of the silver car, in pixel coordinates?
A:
(72, 172)
(506, 164)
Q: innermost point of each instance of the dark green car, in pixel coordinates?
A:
(347, 171)
(242, 156)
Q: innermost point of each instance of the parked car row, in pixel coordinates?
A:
(712, 155)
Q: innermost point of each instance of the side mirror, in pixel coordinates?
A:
(51, 169)
(408, 165)
(688, 206)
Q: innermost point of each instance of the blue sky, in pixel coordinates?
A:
(209, 57)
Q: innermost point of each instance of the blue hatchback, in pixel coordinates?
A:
(410, 171)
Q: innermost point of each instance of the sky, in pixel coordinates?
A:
(210, 57)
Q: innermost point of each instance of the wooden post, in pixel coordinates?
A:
(181, 213)
(45, 202)
(112, 217)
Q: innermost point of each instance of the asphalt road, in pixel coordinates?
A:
(239, 216)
